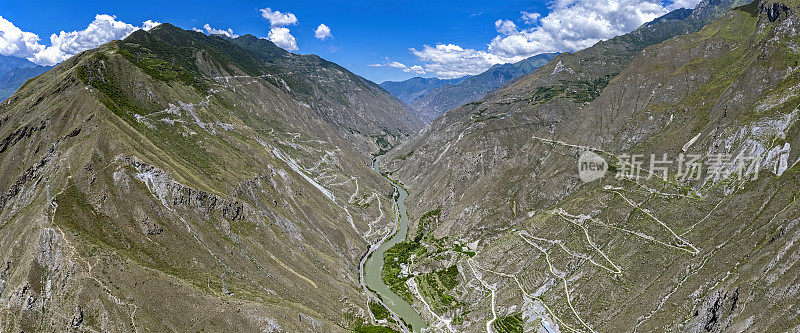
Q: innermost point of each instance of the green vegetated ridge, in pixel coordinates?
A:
(435, 286)
(509, 324)
(579, 91)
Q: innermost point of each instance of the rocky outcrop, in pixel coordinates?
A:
(714, 315)
(21, 133)
(30, 174)
(172, 193)
(775, 10)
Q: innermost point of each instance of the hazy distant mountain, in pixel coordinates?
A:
(447, 97)
(12, 80)
(7, 63)
(13, 73)
(415, 88)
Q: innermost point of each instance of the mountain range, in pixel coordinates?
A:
(546, 250)
(430, 98)
(178, 181)
(415, 88)
(7, 63)
(14, 72)
(175, 181)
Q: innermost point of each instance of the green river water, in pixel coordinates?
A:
(374, 266)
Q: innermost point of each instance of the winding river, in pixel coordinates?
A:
(374, 266)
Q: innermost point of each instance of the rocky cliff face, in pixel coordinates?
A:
(537, 247)
(161, 184)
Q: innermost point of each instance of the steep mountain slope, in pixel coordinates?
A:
(566, 84)
(496, 197)
(11, 81)
(582, 75)
(448, 97)
(169, 182)
(358, 109)
(415, 88)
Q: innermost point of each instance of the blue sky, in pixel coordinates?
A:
(380, 40)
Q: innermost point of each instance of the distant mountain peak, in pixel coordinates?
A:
(8, 63)
(14, 71)
(417, 87)
(436, 102)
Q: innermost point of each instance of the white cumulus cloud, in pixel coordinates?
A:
(396, 64)
(278, 19)
(18, 43)
(103, 29)
(278, 32)
(212, 31)
(149, 24)
(64, 45)
(505, 27)
(530, 18)
(683, 4)
(451, 61)
(283, 38)
(323, 32)
(416, 69)
(570, 25)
